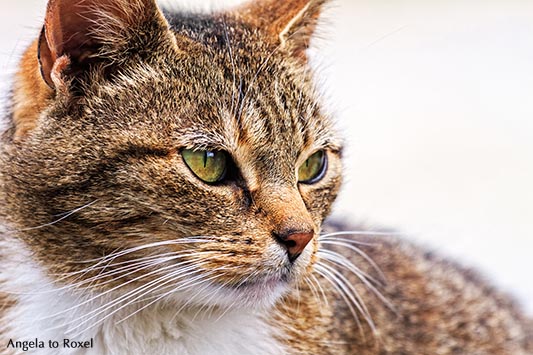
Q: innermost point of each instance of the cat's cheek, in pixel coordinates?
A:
(318, 201)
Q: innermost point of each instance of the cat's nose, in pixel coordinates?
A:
(295, 242)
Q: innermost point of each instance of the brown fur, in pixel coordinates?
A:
(105, 142)
(438, 307)
(6, 302)
(28, 84)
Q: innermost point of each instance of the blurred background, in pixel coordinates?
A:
(435, 101)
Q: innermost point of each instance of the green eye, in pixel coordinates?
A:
(314, 168)
(209, 166)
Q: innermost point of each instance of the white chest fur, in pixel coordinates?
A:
(49, 313)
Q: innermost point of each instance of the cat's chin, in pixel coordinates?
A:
(261, 294)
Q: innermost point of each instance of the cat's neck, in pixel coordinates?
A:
(162, 328)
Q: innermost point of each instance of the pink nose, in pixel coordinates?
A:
(294, 242)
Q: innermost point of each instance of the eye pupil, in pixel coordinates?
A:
(208, 166)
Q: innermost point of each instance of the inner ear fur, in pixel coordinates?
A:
(79, 28)
(289, 23)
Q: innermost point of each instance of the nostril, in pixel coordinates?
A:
(294, 242)
(290, 243)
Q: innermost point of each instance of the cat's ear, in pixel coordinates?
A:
(75, 30)
(288, 23)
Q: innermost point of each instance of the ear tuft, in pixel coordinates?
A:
(290, 23)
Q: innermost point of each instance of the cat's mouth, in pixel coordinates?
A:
(259, 291)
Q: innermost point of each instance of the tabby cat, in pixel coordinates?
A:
(164, 177)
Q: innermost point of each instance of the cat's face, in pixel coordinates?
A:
(201, 166)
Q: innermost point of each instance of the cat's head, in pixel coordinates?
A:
(186, 151)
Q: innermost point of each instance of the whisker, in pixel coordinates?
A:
(343, 262)
(198, 239)
(133, 264)
(128, 263)
(350, 291)
(321, 289)
(351, 287)
(124, 298)
(364, 233)
(347, 300)
(313, 289)
(65, 216)
(123, 285)
(359, 252)
(117, 254)
(180, 287)
(346, 239)
(124, 270)
(108, 259)
(170, 277)
(298, 298)
(128, 270)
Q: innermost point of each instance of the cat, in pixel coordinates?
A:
(165, 177)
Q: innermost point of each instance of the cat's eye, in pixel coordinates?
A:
(313, 169)
(209, 166)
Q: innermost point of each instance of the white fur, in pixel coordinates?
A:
(154, 330)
